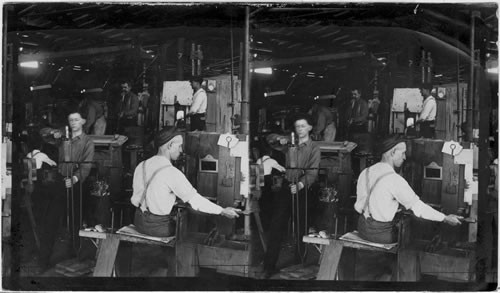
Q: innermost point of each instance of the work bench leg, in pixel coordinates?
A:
(106, 257)
(408, 266)
(347, 265)
(330, 262)
(186, 259)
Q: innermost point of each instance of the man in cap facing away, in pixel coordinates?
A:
(156, 185)
(380, 191)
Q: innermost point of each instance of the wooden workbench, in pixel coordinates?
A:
(333, 255)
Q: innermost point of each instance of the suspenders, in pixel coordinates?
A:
(146, 183)
(369, 190)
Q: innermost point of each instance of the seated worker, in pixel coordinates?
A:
(324, 125)
(380, 191)
(156, 185)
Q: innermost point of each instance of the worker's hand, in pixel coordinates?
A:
(279, 168)
(230, 212)
(70, 181)
(283, 140)
(453, 220)
(294, 188)
(56, 134)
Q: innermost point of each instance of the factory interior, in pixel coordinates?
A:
(281, 110)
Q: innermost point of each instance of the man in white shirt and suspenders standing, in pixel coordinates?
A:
(380, 191)
(156, 185)
(199, 106)
(427, 117)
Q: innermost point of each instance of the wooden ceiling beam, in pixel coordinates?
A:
(298, 60)
(73, 53)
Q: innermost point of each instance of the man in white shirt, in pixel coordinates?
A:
(427, 117)
(380, 191)
(199, 106)
(156, 185)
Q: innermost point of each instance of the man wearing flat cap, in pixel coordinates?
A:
(156, 185)
(380, 191)
(297, 178)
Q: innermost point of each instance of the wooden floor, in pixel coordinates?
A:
(148, 261)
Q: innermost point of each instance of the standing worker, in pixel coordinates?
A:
(301, 176)
(71, 175)
(427, 117)
(357, 114)
(157, 184)
(198, 109)
(93, 111)
(324, 125)
(129, 106)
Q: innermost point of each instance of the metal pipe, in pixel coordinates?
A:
(245, 124)
(232, 74)
(470, 95)
(245, 99)
(459, 115)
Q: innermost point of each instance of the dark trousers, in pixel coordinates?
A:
(278, 230)
(53, 210)
(154, 225)
(427, 129)
(198, 122)
(375, 231)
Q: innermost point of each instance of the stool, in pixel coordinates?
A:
(331, 252)
(108, 249)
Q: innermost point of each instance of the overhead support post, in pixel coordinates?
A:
(180, 55)
(245, 97)
(245, 105)
(486, 234)
(471, 88)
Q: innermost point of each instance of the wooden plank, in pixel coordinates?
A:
(106, 257)
(186, 262)
(122, 237)
(330, 262)
(449, 199)
(211, 116)
(225, 194)
(408, 269)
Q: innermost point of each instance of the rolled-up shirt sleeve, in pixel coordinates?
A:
(424, 211)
